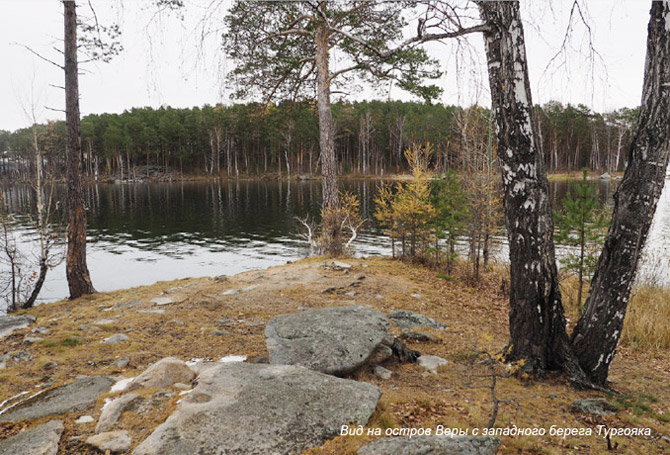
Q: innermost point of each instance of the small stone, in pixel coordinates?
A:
(336, 265)
(599, 406)
(231, 292)
(21, 356)
(406, 319)
(219, 332)
(50, 365)
(88, 327)
(105, 322)
(382, 373)
(379, 296)
(40, 330)
(122, 362)
(416, 295)
(162, 300)
(350, 293)
(128, 304)
(152, 311)
(32, 340)
(431, 362)
(84, 419)
(220, 278)
(114, 441)
(116, 339)
(225, 322)
(416, 336)
(251, 288)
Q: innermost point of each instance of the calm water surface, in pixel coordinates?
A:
(146, 232)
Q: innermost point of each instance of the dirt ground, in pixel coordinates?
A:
(216, 317)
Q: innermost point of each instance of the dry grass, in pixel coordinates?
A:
(647, 323)
(477, 319)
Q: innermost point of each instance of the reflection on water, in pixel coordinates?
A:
(142, 233)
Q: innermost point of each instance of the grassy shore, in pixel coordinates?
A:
(476, 318)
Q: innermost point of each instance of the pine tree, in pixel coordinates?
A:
(582, 225)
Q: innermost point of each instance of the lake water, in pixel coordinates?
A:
(146, 232)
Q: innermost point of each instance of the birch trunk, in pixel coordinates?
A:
(78, 278)
(598, 331)
(537, 323)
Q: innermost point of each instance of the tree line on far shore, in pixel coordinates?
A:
(256, 139)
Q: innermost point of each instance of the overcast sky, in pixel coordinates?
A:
(163, 63)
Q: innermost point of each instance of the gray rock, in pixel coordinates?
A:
(605, 176)
(10, 323)
(432, 445)
(252, 409)
(382, 373)
(122, 362)
(114, 441)
(335, 340)
(232, 292)
(163, 373)
(40, 330)
(416, 336)
(217, 332)
(599, 406)
(129, 304)
(19, 356)
(406, 319)
(73, 397)
(105, 322)
(431, 362)
(162, 300)
(337, 265)
(50, 365)
(32, 340)
(41, 440)
(112, 411)
(116, 339)
(152, 311)
(88, 327)
(84, 419)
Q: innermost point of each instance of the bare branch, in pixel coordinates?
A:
(39, 55)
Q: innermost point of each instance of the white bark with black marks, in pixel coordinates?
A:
(598, 331)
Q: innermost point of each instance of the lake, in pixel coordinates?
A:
(146, 232)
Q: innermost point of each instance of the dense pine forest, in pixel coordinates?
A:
(255, 139)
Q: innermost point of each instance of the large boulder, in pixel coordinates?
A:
(164, 373)
(255, 409)
(41, 440)
(336, 340)
(10, 323)
(112, 411)
(432, 445)
(73, 397)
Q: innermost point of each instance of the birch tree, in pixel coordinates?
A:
(598, 331)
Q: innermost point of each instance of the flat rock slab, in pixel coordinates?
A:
(432, 445)
(10, 323)
(337, 340)
(431, 362)
(406, 319)
(254, 409)
(599, 406)
(41, 440)
(73, 397)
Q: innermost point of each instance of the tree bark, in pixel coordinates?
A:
(537, 323)
(326, 126)
(78, 278)
(598, 331)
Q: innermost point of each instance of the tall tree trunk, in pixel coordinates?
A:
(598, 331)
(537, 323)
(78, 278)
(326, 126)
(330, 223)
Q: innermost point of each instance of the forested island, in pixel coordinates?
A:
(256, 139)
